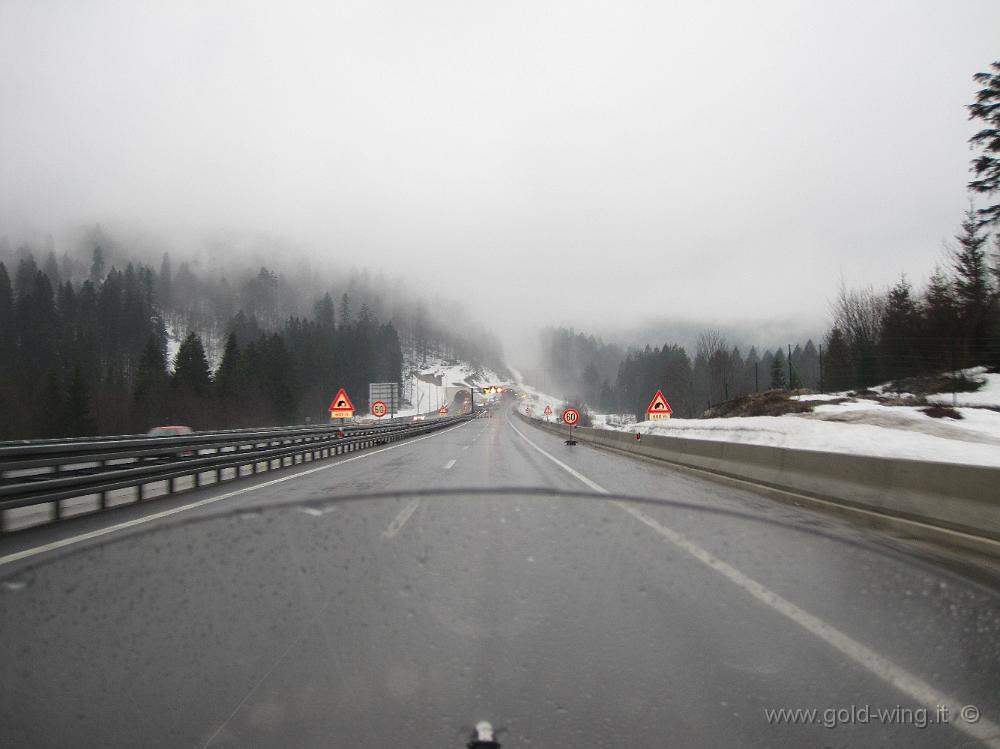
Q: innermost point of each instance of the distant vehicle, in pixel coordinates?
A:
(420, 417)
(174, 430)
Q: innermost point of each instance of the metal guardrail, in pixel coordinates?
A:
(49, 472)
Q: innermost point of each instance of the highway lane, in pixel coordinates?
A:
(399, 621)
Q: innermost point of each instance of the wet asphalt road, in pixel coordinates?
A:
(284, 616)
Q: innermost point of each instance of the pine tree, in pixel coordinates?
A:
(940, 324)
(986, 166)
(778, 381)
(164, 283)
(972, 289)
(809, 365)
(51, 269)
(24, 278)
(246, 328)
(323, 312)
(345, 311)
(50, 408)
(838, 367)
(227, 376)
(751, 371)
(794, 368)
(97, 266)
(6, 316)
(151, 385)
(77, 420)
(896, 343)
(191, 373)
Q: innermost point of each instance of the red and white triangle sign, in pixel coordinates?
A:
(341, 403)
(659, 405)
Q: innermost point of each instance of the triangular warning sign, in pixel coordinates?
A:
(659, 405)
(341, 403)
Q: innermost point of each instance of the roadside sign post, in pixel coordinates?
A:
(570, 417)
(341, 406)
(388, 393)
(658, 408)
(547, 412)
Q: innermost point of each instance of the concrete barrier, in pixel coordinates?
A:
(962, 498)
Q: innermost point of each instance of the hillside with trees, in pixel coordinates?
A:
(102, 342)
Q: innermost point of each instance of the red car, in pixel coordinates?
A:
(174, 430)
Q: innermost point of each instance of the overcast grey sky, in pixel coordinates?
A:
(625, 160)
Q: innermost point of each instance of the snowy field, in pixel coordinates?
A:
(858, 426)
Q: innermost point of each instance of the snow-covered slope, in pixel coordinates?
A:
(430, 382)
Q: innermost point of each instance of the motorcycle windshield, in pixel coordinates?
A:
(565, 619)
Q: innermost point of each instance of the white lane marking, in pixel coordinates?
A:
(400, 520)
(576, 474)
(449, 464)
(26, 553)
(984, 730)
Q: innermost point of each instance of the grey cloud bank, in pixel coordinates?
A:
(594, 162)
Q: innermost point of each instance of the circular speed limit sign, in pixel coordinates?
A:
(379, 409)
(571, 416)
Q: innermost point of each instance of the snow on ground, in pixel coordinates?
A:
(859, 426)
(173, 344)
(809, 397)
(979, 446)
(987, 396)
(212, 344)
(862, 426)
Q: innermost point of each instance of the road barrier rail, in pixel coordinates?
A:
(941, 501)
(51, 471)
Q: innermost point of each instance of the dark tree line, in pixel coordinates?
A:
(88, 355)
(900, 333)
(718, 372)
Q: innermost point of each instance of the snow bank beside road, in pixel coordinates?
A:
(863, 428)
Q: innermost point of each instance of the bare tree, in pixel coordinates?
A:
(714, 349)
(858, 314)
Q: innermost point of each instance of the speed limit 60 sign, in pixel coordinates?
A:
(379, 409)
(571, 416)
